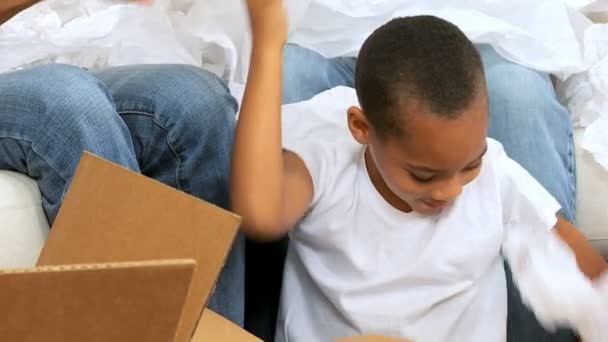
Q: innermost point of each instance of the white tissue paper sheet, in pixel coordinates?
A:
(553, 36)
(595, 139)
(545, 270)
(91, 34)
(537, 34)
(586, 93)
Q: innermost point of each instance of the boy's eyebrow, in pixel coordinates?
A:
(431, 170)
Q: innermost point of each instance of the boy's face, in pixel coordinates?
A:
(427, 169)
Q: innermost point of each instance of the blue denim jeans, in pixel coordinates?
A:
(525, 116)
(174, 123)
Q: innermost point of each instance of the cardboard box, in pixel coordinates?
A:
(118, 302)
(128, 259)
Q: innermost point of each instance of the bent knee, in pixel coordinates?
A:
(59, 80)
(191, 99)
(56, 93)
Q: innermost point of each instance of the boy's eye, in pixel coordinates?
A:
(473, 166)
(422, 179)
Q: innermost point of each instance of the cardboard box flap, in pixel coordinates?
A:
(113, 214)
(215, 328)
(95, 303)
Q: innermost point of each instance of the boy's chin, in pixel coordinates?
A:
(428, 212)
(424, 209)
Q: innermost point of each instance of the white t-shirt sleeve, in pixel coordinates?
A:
(524, 200)
(318, 160)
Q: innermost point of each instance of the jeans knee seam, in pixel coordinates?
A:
(173, 147)
(39, 155)
(166, 129)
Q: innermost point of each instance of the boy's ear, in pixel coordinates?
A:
(359, 126)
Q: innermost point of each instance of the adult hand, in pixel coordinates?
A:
(8, 8)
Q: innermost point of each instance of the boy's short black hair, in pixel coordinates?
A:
(422, 58)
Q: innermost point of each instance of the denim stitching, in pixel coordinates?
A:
(229, 99)
(572, 173)
(33, 149)
(171, 147)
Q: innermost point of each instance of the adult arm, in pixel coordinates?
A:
(9, 8)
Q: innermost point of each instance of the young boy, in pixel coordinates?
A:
(398, 231)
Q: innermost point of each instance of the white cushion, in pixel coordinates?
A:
(23, 224)
(592, 203)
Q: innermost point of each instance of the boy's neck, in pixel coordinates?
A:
(381, 187)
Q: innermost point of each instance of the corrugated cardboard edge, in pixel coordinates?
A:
(87, 164)
(89, 155)
(207, 316)
(100, 266)
(371, 338)
(63, 315)
(215, 328)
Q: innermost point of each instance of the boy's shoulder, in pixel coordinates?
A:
(496, 171)
(495, 149)
(517, 188)
(499, 164)
(335, 166)
(495, 161)
(327, 158)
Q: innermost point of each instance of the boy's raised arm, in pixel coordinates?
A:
(270, 189)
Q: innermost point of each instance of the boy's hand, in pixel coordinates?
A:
(268, 21)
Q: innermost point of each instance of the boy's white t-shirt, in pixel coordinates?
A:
(356, 265)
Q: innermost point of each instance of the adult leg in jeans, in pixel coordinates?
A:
(175, 122)
(306, 73)
(182, 119)
(525, 117)
(48, 116)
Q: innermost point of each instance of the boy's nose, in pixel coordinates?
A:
(449, 190)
